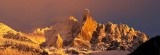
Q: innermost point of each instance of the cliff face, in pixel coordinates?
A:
(88, 26)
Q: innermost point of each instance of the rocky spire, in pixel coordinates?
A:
(89, 34)
(85, 14)
(87, 28)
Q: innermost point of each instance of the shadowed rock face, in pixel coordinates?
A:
(67, 29)
(99, 34)
(150, 47)
(58, 42)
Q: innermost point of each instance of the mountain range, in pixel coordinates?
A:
(71, 36)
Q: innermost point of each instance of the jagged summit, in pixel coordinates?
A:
(89, 34)
(86, 13)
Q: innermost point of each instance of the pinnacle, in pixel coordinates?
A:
(86, 12)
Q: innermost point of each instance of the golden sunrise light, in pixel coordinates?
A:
(79, 27)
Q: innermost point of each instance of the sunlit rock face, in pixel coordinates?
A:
(4, 29)
(58, 42)
(87, 27)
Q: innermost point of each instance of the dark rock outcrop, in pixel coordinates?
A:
(150, 47)
(99, 34)
(10, 35)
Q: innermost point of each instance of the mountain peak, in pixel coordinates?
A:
(86, 14)
(88, 34)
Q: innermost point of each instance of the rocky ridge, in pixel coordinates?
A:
(4, 29)
(14, 43)
(73, 36)
(90, 35)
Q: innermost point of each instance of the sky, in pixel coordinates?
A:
(26, 15)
